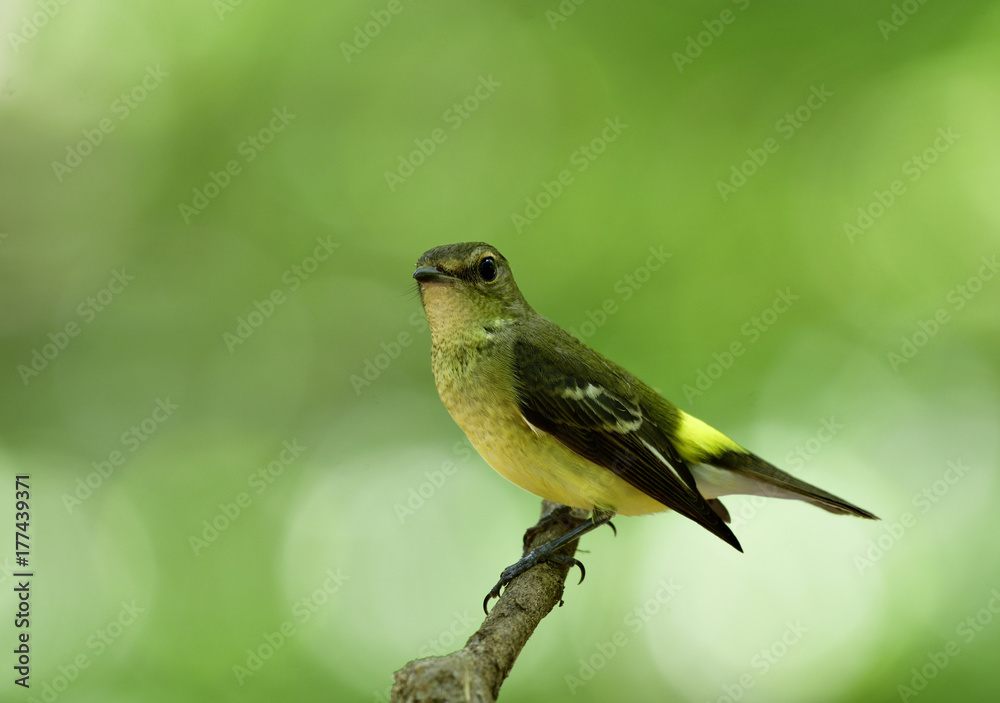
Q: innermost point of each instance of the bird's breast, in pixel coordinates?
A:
(479, 391)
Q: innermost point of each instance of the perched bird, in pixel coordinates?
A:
(561, 421)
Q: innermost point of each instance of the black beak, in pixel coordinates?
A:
(432, 274)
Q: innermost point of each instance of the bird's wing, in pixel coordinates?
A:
(588, 404)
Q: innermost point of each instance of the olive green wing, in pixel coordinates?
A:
(589, 404)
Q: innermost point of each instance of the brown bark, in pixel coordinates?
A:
(476, 672)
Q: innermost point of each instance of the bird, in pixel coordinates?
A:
(565, 423)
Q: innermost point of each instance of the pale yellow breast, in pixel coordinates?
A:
(480, 396)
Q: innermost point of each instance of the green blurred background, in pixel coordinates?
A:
(210, 214)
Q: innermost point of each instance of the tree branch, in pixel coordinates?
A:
(476, 672)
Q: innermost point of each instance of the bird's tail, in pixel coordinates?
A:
(752, 475)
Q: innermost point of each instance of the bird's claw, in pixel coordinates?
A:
(525, 563)
(494, 593)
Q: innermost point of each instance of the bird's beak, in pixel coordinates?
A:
(432, 274)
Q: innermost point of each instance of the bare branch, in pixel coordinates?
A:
(476, 672)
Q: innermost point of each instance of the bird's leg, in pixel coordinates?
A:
(546, 552)
(558, 513)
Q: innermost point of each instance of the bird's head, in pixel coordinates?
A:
(465, 285)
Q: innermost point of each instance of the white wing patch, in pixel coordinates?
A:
(658, 455)
(626, 427)
(627, 416)
(595, 393)
(576, 393)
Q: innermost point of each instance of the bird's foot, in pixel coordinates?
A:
(533, 558)
(547, 551)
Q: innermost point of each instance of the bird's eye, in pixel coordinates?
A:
(487, 268)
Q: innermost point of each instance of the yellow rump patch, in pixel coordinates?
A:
(697, 440)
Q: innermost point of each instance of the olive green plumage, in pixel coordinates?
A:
(562, 421)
